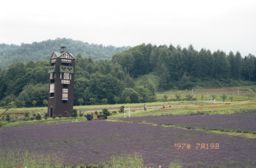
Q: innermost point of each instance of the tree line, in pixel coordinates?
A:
(131, 76)
(185, 67)
(96, 82)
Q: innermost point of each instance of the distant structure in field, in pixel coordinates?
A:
(61, 83)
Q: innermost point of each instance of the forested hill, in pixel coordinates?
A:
(10, 54)
(131, 76)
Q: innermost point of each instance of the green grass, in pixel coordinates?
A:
(171, 108)
(175, 164)
(21, 160)
(125, 161)
(233, 133)
(91, 108)
(239, 93)
(190, 108)
(43, 121)
(244, 98)
(243, 134)
(29, 160)
(242, 93)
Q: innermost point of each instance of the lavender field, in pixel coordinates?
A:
(97, 141)
(238, 121)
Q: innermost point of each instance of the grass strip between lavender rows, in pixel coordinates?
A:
(238, 133)
(190, 109)
(44, 121)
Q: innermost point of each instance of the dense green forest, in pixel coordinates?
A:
(96, 82)
(134, 75)
(184, 68)
(36, 51)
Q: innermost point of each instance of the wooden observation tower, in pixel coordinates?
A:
(61, 83)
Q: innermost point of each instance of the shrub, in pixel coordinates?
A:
(185, 84)
(34, 102)
(26, 116)
(45, 102)
(189, 97)
(198, 113)
(74, 113)
(92, 101)
(129, 95)
(89, 117)
(102, 116)
(224, 97)
(106, 112)
(80, 114)
(46, 115)
(38, 117)
(33, 117)
(178, 97)
(165, 98)
(121, 110)
(104, 101)
(80, 101)
(8, 118)
(213, 97)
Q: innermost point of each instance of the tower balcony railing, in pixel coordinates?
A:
(66, 69)
(51, 69)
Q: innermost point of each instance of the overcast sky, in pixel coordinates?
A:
(212, 24)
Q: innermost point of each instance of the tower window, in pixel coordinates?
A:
(51, 75)
(66, 76)
(52, 88)
(64, 94)
(64, 90)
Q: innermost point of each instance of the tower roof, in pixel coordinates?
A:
(63, 53)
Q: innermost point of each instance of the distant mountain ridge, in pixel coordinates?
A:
(35, 51)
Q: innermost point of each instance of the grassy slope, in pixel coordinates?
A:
(244, 99)
(238, 93)
(243, 93)
(188, 108)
